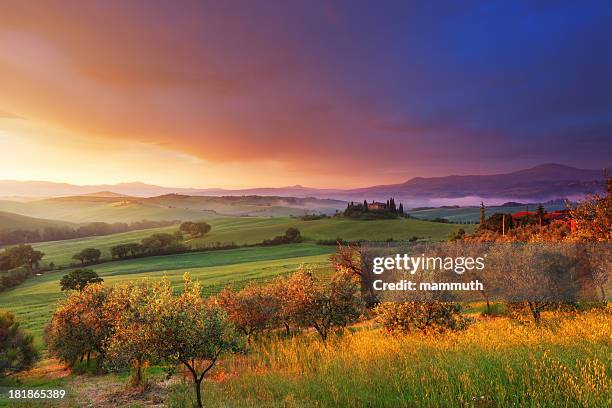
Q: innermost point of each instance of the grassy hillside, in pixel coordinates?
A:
(106, 209)
(34, 300)
(251, 230)
(249, 205)
(10, 222)
(60, 252)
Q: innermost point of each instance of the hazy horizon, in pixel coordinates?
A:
(195, 187)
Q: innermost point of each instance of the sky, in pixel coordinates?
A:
(322, 94)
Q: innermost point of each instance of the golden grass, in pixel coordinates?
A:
(495, 362)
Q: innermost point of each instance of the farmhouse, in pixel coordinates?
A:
(374, 205)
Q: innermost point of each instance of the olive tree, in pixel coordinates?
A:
(251, 310)
(190, 331)
(324, 307)
(80, 324)
(132, 342)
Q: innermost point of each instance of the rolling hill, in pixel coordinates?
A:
(252, 230)
(34, 300)
(10, 222)
(120, 208)
(540, 183)
(82, 209)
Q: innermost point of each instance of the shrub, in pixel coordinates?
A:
(456, 235)
(292, 235)
(426, 317)
(162, 243)
(195, 229)
(14, 277)
(17, 351)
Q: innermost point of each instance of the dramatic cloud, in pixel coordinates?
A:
(311, 93)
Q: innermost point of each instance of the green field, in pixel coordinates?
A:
(60, 252)
(34, 300)
(252, 230)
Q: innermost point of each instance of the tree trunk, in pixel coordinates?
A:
(321, 330)
(535, 312)
(198, 387)
(137, 380)
(287, 328)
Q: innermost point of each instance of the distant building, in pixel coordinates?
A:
(527, 217)
(374, 205)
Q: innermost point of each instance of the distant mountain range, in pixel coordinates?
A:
(540, 183)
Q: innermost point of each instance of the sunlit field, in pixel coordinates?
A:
(495, 362)
(252, 230)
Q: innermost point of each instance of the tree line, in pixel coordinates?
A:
(165, 244)
(10, 237)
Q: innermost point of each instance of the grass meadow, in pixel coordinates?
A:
(494, 363)
(251, 230)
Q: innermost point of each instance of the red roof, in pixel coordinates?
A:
(522, 214)
(555, 215)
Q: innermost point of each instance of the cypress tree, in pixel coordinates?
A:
(540, 214)
(482, 215)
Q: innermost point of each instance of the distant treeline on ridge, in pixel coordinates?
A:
(10, 237)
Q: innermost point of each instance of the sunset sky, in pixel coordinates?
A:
(323, 94)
